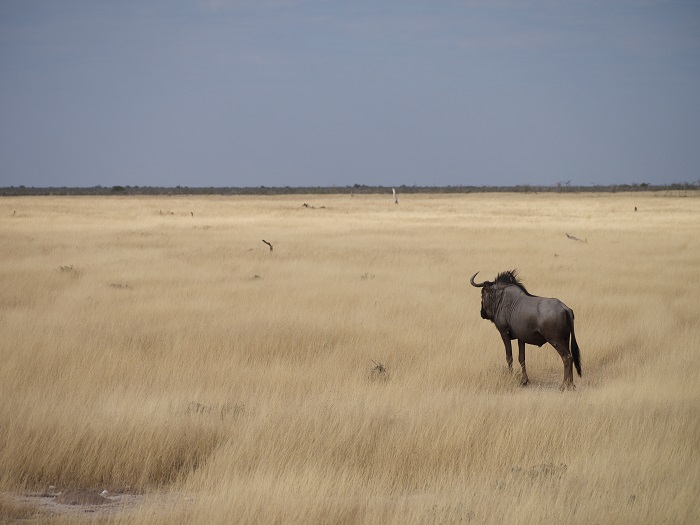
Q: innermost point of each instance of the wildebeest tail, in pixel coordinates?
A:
(575, 352)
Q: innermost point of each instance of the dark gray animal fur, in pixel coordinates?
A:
(531, 320)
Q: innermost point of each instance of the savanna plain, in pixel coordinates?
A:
(156, 348)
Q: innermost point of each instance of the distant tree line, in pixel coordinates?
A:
(356, 189)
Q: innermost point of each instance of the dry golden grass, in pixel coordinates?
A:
(156, 344)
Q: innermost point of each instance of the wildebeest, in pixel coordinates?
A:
(531, 320)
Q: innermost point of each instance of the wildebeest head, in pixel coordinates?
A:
(491, 291)
(487, 306)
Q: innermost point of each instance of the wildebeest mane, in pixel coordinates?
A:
(511, 277)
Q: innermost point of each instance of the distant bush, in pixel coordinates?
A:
(356, 189)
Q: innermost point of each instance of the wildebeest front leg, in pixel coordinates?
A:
(509, 350)
(521, 358)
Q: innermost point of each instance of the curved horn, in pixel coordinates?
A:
(478, 285)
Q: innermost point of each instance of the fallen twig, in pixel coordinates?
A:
(379, 373)
(573, 238)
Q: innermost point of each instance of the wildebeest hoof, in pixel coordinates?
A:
(524, 382)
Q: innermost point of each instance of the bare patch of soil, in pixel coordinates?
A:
(82, 497)
(39, 507)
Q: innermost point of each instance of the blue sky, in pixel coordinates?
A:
(320, 92)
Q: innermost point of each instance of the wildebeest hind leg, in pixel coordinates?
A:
(565, 353)
(521, 358)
